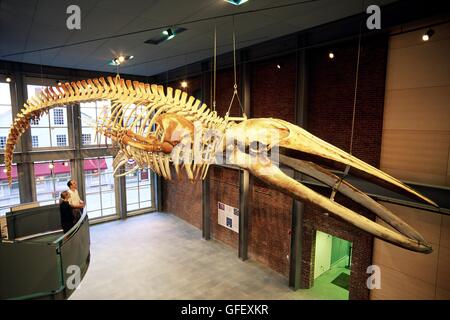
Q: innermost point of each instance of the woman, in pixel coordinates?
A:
(66, 212)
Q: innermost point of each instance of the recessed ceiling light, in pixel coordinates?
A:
(236, 2)
(165, 35)
(278, 66)
(184, 84)
(427, 35)
(8, 79)
(119, 60)
(170, 34)
(331, 55)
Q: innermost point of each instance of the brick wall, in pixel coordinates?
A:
(272, 95)
(273, 89)
(182, 197)
(269, 227)
(362, 244)
(331, 95)
(224, 187)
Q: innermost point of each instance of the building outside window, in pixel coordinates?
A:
(90, 112)
(139, 190)
(35, 141)
(58, 116)
(51, 179)
(5, 113)
(50, 125)
(99, 183)
(61, 140)
(86, 139)
(2, 142)
(9, 196)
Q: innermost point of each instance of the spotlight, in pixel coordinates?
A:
(427, 35)
(119, 60)
(278, 66)
(170, 34)
(51, 166)
(184, 84)
(236, 2)
(66, 164)
(331, 55)
(59, 83)
(8, 79)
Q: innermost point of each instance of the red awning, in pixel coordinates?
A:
(13, 172)
(42, 169)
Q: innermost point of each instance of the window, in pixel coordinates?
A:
(139, 190)
(51, 179)
(99, 182)
(61, 140)
(9, 196)
(86, 138)
(5, 112)
(35, 141)
(50, 125)
(58, 116)
(2, 142)
(90, 112)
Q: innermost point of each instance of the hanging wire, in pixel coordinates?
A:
(356, 88)
(235, 91)
(214, 68)
(352, 132)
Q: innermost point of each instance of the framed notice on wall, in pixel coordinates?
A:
(228, 216)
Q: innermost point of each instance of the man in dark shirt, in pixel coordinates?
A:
(65, 211)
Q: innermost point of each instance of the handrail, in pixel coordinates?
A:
(66, 236)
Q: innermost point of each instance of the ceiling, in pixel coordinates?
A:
(27, 25)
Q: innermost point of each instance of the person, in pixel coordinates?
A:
(75, 202)
(66, 212)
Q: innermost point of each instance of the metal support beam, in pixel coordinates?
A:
(245, 181)
(301, 107)
(206, 209)
(120, 191)
(244, 193)
(74, 119)
(158, 191)
(206, 201)
(27, 185)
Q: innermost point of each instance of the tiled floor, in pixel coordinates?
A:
(159, 256)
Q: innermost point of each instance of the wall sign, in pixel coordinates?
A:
(228, 216)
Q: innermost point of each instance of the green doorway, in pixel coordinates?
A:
(332, 265)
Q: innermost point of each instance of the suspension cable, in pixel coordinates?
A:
(235, 90)
(215, 68)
